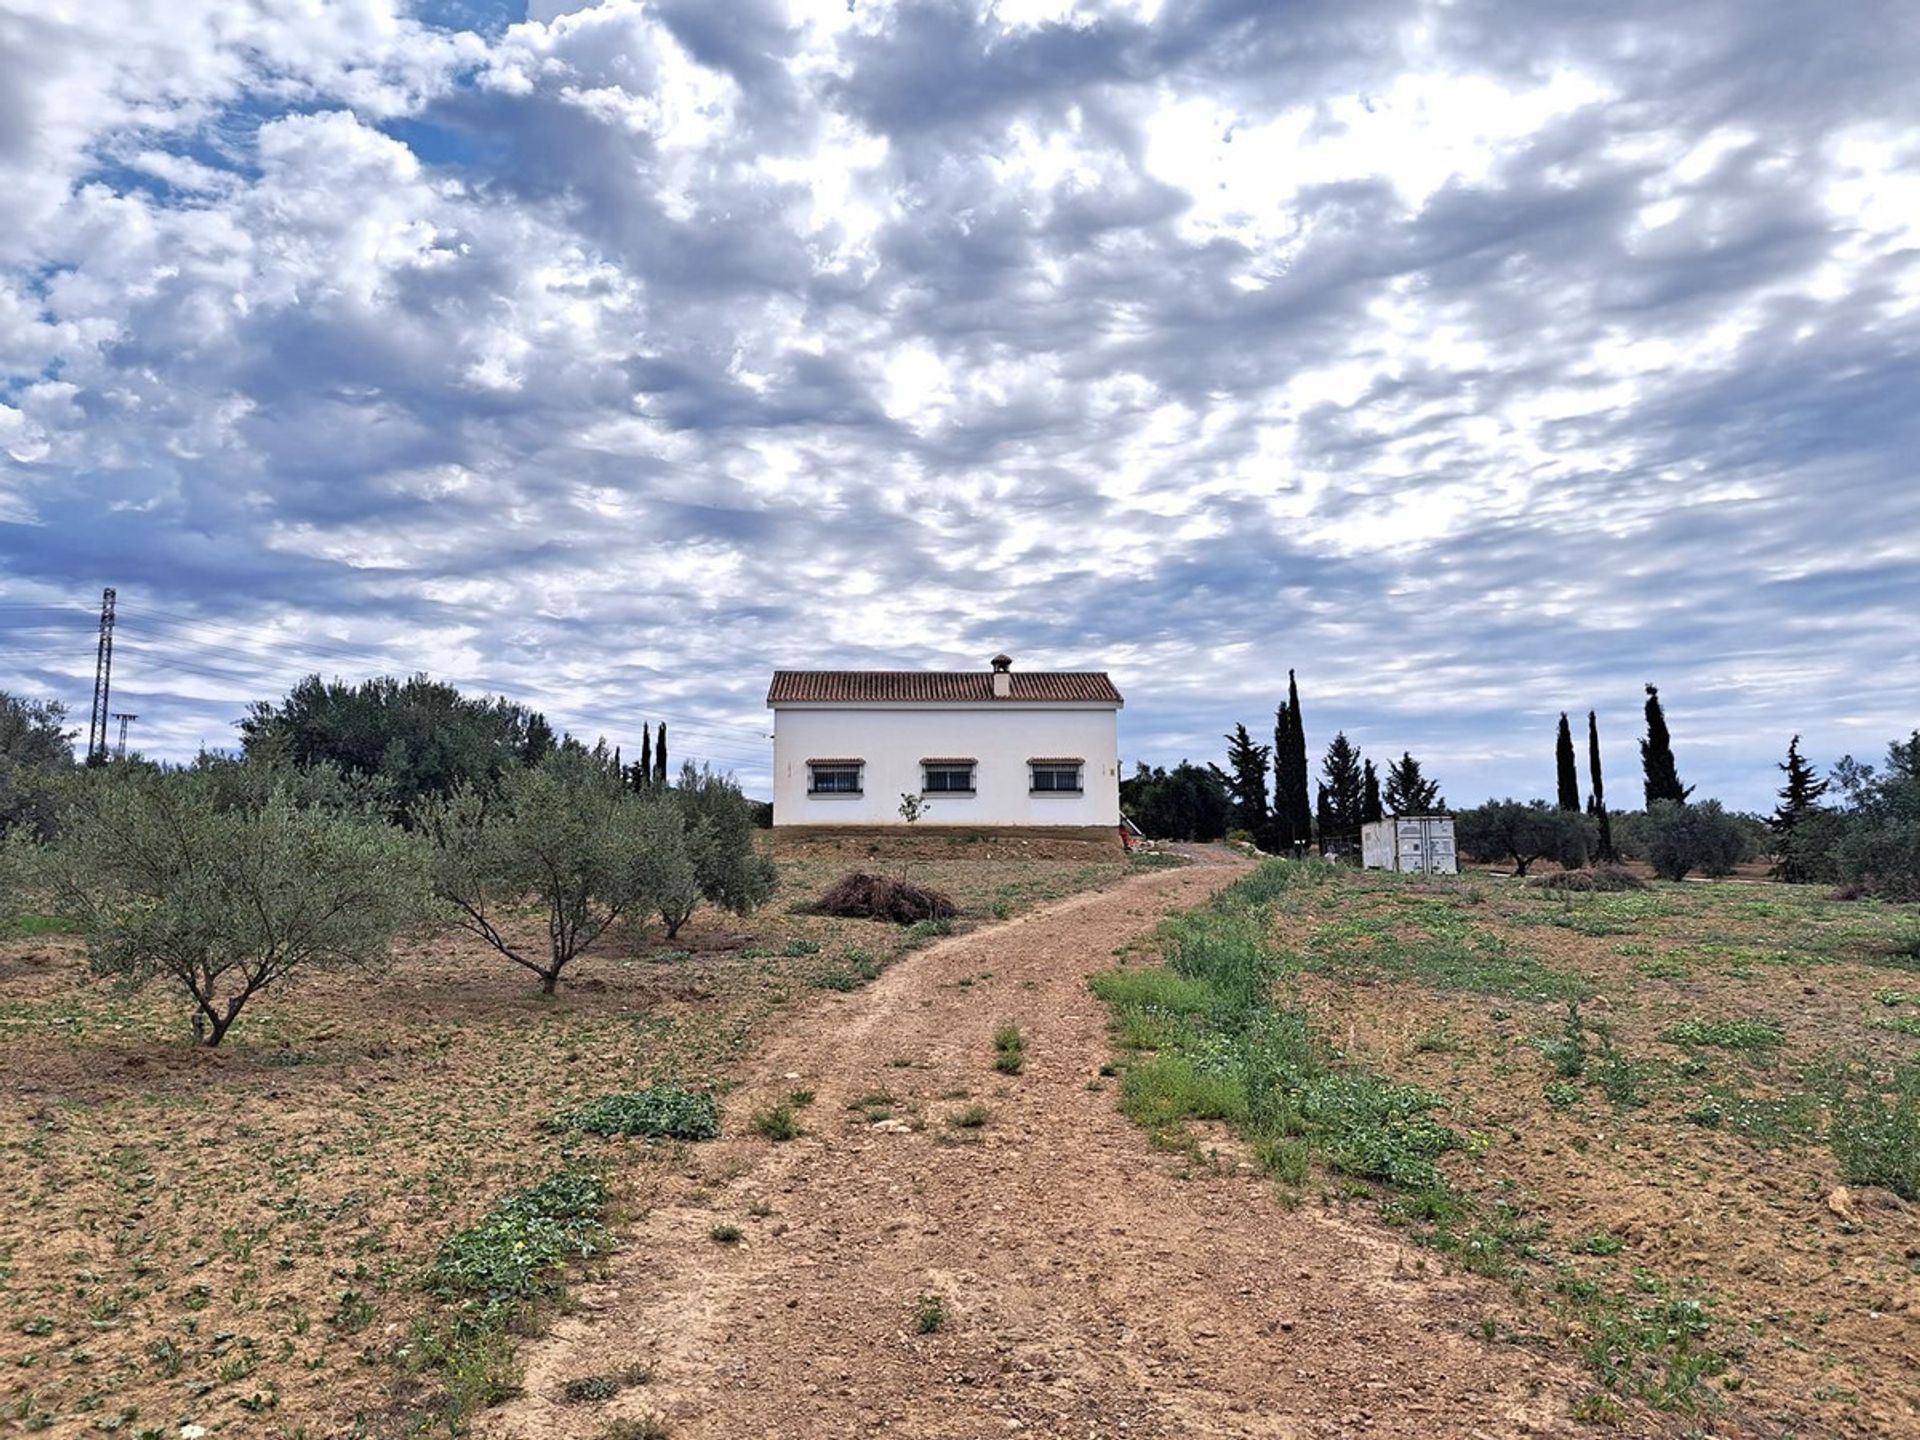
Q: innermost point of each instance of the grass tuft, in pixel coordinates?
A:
(1009, 1049)
(775, 1123)
(929, 1315)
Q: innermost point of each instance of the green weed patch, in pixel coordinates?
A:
(1876, 1137)
(1726, 1034)
(668, 1111)
(1437, 945)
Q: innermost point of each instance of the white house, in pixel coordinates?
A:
(979, 748)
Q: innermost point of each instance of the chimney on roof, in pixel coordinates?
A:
(1002, 676)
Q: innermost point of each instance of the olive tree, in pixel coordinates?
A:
(1681, 837)
(36, 748)
(225, 890)
(726, 868)
(15, 863)
(564, 839)
(1523, 833)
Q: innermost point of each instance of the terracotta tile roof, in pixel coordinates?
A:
(938, 686)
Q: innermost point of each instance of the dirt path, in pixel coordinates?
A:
(1095, 1287)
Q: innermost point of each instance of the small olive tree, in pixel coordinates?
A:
(1682, 837)
(726, 868)
(564, 839)
(224, 889)
(1523, 833)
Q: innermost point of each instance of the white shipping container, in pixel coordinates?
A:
(1413, 844)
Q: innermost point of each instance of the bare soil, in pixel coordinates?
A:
(233, 1238)
(1087, 1285)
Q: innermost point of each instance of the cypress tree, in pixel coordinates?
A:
(1283, 832)
(1323, 814)
(1799, 798)
(646, 757)
(1656, 757)
(1569, 774)
(1598, 802)
(1247, 784)
(1299, 792)
(1370, 810)
(660, 756)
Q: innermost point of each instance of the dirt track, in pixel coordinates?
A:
(1095, 1286)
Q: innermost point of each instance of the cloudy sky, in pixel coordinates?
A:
(1479, 359)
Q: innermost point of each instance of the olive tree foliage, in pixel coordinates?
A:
(565, 839)
(1681, 837)
(1523, 832)
(36, 749)
(16, 862)
(728, 871)
(1871, 841)
(419, 737)
(225, 880)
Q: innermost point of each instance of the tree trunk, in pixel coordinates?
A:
(549, 979)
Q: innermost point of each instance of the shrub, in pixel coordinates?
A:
(1596, 879)
(667, 1111)
(1681, 838)
(865, 896)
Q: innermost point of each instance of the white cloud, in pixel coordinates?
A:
(622, 354)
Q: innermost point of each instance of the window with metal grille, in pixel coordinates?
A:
(1055, 777)
(835, 779)
(946, 777)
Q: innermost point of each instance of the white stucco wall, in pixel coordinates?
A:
(893, 741)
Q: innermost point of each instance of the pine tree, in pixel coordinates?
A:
(1344, 786)
(1370, 810)
(1247, 783)
(1409, 792)
(1569, 774)
(660, 756)
(646, 756)
(1597, 805)
(539, 742)
(1656, 757)
(1799, 798)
